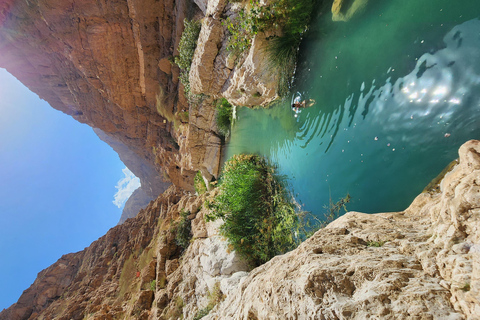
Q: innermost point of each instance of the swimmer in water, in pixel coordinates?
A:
(304, 104)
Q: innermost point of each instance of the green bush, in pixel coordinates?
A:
(375, 244)
(186, 49)
(224, 117)
(199, 183)
(259, 216)
(153, 285)
(290, 17)
(183, 230)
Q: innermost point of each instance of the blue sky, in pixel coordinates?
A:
(57, 187)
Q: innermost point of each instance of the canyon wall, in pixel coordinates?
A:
(421, 263)
(98, 61)
(108, 65)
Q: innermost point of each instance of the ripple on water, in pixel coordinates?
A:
(381, 143)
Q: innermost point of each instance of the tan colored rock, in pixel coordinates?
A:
(342, 12)
(104, 64)
(427, 264)
(252, 83)
(165, 65)
(209, 40)
(422, 263)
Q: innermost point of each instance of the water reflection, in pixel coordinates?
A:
(380, 138)
(437, 95)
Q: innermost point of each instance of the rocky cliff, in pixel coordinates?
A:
(107, 65)
(100, 62)
(422, 263)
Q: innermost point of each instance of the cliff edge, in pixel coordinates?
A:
(421, 263)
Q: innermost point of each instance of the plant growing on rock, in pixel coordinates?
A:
(214, 297)
(289, 18)
(186, 50)
(199, 183)
(224, 117)
(259, 216)
(153, 285)
(183, 230)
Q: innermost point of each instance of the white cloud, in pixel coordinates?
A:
(125, 187)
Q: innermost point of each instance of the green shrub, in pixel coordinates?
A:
(199, 183)
(259, 216)
(309, 224)
(186, 49)
(224, 117)
(153, 285)
(183, 230)
(290, 17)
(465, 287)
(375, 244)
(202, 312)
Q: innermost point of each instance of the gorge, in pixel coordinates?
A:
(107, 64)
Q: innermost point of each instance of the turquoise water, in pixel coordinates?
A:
(397, 91)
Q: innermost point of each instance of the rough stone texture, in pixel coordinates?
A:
(103, 63)
(202, 72)
(100, 278)
(343, 10)
(422, 263)
(244, 80)
(428, 267)
(151, 183)
(252, 83)
(201, 145)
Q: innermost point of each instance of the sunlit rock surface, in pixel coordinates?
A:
(422, 263)
(244, 80)
(100, 62)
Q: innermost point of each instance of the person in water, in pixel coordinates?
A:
(304, 104)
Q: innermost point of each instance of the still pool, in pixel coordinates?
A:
(397, 91)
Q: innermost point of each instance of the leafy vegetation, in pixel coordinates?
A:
(260, 220)
(465, 287)
(186, 49)
(153, 285)
(199, 183)
(224, 117)
(183, 230)
(259, 216)
(290, 18)
(375, 244)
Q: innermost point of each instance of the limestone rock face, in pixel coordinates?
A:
(245, 80)
(135, 270)
(252, 83)
(92, 280)
(422, 263)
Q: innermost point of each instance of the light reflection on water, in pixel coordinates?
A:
(385, 142)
